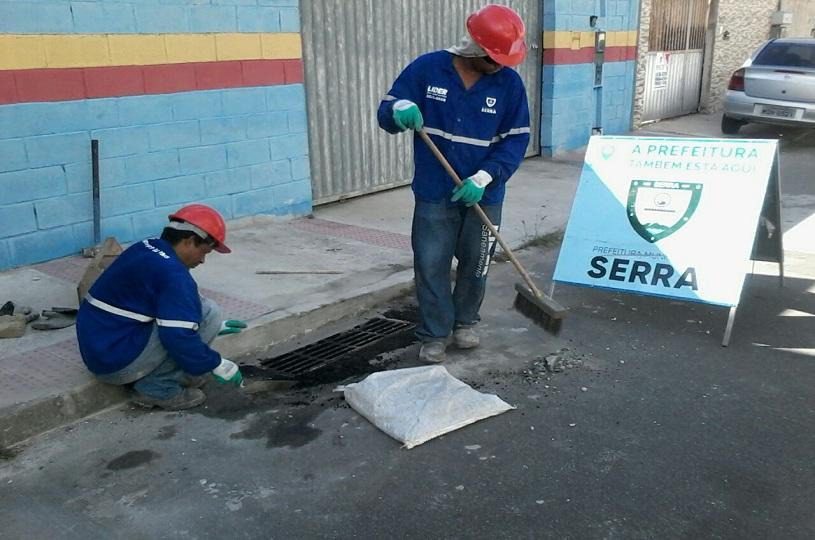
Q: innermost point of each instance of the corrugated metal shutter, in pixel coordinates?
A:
(353, 49)
(673, 71)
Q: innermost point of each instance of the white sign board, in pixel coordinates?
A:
(661, 72)
(666, 217)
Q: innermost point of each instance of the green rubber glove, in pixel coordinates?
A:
(469, 193)
(227, 372)
(231, 326)
(406, 115)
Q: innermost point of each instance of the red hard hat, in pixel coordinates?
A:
(500, 31)
(208, 220)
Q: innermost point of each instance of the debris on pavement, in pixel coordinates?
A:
(56, 318)
(543, 367)
(13, 319)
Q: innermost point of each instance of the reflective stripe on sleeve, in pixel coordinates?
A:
(513, 131)
(177, 324)
(475, 142)
(117, 311)
(457, 138)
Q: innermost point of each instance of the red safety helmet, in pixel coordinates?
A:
(500, 31)
(208, 220)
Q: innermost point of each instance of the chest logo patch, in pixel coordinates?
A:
(436, 92)
(490, 103)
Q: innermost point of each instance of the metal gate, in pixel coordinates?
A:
(673, 72)
(353, 50)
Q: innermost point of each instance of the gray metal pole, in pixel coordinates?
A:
(97, 218)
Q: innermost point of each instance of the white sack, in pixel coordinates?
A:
(415, 405)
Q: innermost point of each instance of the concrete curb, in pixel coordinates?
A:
(300, 320)
(22, 421)
(19, 422)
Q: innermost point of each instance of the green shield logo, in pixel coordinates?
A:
(656, 210)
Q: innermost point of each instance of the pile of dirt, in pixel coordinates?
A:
(542, 368)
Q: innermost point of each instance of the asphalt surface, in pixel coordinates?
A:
(633, 422)
(642, 426)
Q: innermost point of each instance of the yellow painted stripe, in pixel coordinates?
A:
(24, 51)
(578, 40)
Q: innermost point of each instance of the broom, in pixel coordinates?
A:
(530, 301)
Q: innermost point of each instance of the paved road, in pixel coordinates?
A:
(642, 426)
(650, 429)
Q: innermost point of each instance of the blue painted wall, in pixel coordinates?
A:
(243, 151)
(571, 103)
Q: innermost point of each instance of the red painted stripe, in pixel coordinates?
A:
(167, 79)
(8, 88)
(260, 73)
(586, 55)
(568, 56)
(115, 81)
(50, 84)
(621, 54)
(30, 85)
(294, 71)
(212, 75)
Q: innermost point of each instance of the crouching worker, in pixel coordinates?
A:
(144, 323)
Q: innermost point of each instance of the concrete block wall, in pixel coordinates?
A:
(642, 51)
(572, 104)
(747, 23)
(803, 18)
(739, 26)
(191, 102)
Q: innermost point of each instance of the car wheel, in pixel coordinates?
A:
(730, 126)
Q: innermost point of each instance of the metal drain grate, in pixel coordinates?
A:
(329, 350)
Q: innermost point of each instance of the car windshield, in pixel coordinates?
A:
(800, 55)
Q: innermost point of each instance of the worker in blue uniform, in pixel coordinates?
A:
(476, 111)
(144, 324)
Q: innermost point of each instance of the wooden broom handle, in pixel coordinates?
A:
(478, 210)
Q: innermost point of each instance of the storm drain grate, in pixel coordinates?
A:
(335, 347)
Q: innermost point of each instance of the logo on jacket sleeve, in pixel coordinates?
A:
(489, 108)
(436, 92)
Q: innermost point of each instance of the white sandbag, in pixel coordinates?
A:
(415, 405)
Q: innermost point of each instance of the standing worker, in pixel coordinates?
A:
(477, 114)
(143, 321)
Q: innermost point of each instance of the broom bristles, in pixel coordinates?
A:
(542, 310)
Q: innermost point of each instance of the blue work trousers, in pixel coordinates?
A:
(441, 232)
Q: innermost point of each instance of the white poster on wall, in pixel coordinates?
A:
(661, 72)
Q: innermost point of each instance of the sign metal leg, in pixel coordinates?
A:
(731, 317)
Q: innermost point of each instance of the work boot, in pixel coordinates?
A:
(466, 338)
(186, 399)
(432, 352)
(194, 381)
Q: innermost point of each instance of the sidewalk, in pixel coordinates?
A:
(43, 383)
(366, 241)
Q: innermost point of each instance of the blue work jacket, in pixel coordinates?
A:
(147, 285)
(485, 127)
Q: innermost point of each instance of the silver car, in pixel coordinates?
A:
(776, 85)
